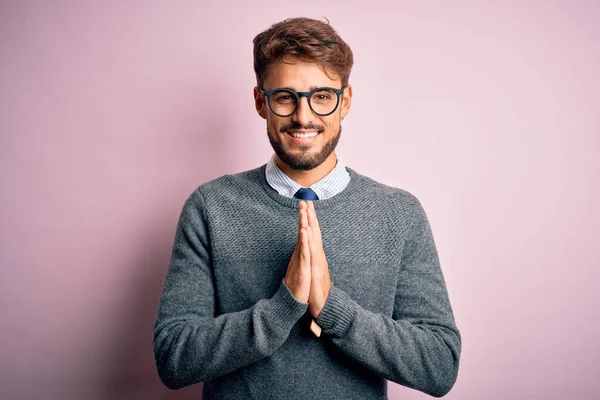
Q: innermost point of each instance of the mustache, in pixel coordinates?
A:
(296, 126)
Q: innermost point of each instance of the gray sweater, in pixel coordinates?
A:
(226, 318)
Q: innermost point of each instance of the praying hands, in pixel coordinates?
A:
(307, 275)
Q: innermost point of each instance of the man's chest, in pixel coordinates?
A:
(250, 259)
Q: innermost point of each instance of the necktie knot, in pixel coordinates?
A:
(306, 194)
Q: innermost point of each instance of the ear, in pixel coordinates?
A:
(259, 103)
(346, 101)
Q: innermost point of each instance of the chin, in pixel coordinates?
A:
(304, 158)
(301, 160)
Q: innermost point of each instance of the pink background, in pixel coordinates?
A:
(113, 112)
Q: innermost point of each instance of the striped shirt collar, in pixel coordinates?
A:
(332, 184)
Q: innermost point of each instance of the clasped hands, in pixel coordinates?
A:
(307, 275)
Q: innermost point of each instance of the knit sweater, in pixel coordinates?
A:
(226, 317)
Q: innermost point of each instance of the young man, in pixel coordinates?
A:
(303, 279)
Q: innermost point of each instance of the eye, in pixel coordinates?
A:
(284, 97)
(323, 96)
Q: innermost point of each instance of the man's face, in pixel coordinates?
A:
(302, 153)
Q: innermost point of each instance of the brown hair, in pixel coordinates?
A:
(302, 39)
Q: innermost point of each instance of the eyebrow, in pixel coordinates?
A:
(310, 89)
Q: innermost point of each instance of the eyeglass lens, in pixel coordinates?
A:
(322, 102)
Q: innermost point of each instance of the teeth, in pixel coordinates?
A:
(303, 135)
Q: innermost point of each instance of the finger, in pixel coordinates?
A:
(301, 206)
(304, 218)
(304, 249)
(314, 249)
(313, 222)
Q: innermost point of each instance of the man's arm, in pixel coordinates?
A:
(419, 347)
(191, 344)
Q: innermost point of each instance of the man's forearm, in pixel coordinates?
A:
(190, 348)
(191, 344)
(423, 355)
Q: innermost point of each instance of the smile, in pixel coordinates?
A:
(303, 135)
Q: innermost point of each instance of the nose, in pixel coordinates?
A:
(303, 114)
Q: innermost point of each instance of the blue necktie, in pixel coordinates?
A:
(306, 194)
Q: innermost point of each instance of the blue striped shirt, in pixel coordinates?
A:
(332, 184)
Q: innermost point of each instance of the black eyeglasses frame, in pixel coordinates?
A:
(298, 95)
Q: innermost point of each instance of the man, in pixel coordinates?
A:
(303, 279)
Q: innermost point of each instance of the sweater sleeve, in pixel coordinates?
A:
(419, 346)
(192, 343)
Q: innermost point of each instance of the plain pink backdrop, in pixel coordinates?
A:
(113, 112)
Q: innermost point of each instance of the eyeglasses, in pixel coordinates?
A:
(284, 102)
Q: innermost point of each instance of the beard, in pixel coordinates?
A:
(304, 160)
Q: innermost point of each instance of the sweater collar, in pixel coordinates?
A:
(357, 184)
(333, 183)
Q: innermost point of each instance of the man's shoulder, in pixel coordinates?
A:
(378, 190)
(391, 200)
(229, 183)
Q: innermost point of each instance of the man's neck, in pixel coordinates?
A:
(307, 178)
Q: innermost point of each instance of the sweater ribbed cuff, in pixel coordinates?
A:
(338, 313)
(284, 307)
